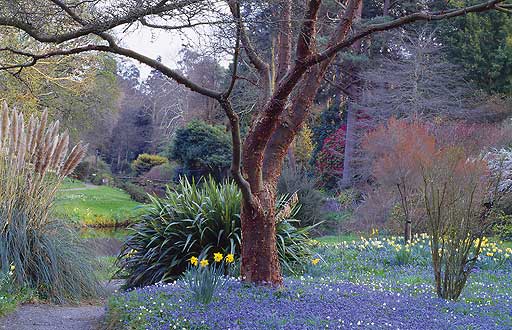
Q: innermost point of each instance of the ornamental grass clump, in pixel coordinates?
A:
(44, 254)
(201, 220)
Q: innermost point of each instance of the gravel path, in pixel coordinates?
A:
(52, 317)
(49, 317)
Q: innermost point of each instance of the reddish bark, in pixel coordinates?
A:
(260, 261)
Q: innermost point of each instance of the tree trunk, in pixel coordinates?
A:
(352, 81)
(408, 232)
(260, 259)
(350, 140)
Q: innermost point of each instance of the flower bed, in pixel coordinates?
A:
(365, 284)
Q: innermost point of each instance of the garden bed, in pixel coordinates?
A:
(367, 284)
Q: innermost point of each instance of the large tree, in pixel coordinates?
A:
(309, 39)
(79, 92)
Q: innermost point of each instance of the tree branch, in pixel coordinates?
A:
(284, 41)
(416, 17)
(306, 42)
(251, 52)
(93, 27)
(189, 24)
(36, 57)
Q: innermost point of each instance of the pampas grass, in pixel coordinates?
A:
(45, 253)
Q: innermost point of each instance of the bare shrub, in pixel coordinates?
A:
(458, 207)
(445, 174)
(399, 149)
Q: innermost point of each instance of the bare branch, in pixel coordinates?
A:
(306, 42)
(284, 41)
(415, 17)
(189, 24)
(94, 27)
(253, 55)
(36, 57)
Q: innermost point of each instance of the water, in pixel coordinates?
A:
(104, 241)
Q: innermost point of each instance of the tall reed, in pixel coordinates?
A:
(34, 159)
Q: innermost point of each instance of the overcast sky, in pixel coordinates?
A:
(153, 43)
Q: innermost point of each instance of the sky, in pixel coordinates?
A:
(152, 43)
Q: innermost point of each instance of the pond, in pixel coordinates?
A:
(104, 241)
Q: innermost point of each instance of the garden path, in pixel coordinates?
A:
(50, 317)
(53, 317)
(87, 186)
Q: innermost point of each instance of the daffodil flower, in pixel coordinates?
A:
(230, 258)
(218, 257)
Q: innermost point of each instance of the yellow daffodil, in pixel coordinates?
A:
(230, 258)
(490, 254)
(218, 257)
(315, 261)
(204, 262)
(13, 268)
(194, 261)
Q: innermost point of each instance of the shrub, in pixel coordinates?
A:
(329, 161)
(450, 183)
(136, 192)
(202, 148)
(374, 211)
(164, 172)
(399, 149)
(455, 193)
(90, 168)
(329, 121)
(146, 162)
(503, 228)
(101, 179)
(294, 179)
(303, 146)
(45, 254)
(193, 221)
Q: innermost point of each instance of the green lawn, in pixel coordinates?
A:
(69, 183)
(100, 206)
(337, 239)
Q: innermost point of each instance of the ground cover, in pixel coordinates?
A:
(372, 283)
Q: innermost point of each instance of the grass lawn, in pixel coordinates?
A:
(337, 239)
(69, 183)
(99, 206)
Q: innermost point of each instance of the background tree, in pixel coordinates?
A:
(133, 131)
(482, 45)
(80, 93)
(166, 102)
(202, 149)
